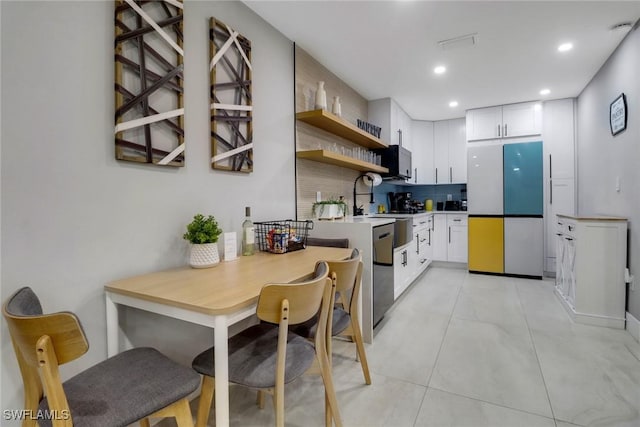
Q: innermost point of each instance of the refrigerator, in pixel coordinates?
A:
(523, 209)
(485, 200)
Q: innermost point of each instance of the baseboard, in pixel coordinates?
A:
(633, 326)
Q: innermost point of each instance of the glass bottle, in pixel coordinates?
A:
(248, 236)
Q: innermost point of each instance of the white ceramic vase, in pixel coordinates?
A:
(321, 97)
(204, 255)
(336, 108)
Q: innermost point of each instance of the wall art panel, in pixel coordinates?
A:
(149, 81)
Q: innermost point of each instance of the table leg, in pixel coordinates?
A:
(221, 370)
(112, 326)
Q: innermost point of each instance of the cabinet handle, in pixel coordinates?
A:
(457, 219)
(415, 179)
(558, 234)
(400, 137)
(550, 192)
(429, 237)
(505, 129)
(417, 243)
(498, 130)
(449, 234)
(450, 174)
(550, 168)
(570, 228)
(568, 238)
(436, 175)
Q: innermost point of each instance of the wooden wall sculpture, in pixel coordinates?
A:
(149, 81)
(230, 93)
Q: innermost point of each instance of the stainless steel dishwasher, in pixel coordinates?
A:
(383, 236)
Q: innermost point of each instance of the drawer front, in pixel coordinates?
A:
(453, 219)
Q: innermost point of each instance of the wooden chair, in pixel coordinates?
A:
(132, 386)
(348, 281)
(268, 356)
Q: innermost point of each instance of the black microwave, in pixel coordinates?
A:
(397, 159)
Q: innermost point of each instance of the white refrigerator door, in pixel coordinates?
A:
(523, 246)
(484, 180)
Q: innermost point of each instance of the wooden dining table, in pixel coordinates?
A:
(216, 297)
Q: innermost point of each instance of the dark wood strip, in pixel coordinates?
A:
(150, 74)
(144, 94)
(128, 95)
(145, 30)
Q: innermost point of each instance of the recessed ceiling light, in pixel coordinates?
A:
(565, 47)
(453, 104)
(622, 26)
(440, 69)
(545, 92)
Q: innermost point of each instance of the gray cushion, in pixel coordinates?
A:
(24, 303)
(253, 357)
(341, 320)
(126, 388)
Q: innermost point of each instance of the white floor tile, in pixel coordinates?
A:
(444, 409)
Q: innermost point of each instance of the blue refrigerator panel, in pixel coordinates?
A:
(523, 180)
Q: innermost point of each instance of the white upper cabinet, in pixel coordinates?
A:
(422, 142)
(450, 152)
(506, 121)
(559, 137)
(395, 123)
(484, 123)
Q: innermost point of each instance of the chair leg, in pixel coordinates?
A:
(278, 402)
(260, 399)
(357, 337)
(183, 414)
(145, 422)
(206, 398)
(330, 392)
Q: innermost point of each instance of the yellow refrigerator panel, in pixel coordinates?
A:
(486, 244)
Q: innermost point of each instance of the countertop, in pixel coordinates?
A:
(592, 217)
(400, 215)
(374, 221)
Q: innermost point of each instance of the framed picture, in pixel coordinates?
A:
(618, 114)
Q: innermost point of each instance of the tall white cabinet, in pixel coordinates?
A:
(592, 256)
(422, 152)
(450, 151)
(559, 171)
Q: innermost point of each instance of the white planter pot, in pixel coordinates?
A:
(329, 212)
(204, 255)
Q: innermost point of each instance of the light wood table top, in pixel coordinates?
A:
(227, 287)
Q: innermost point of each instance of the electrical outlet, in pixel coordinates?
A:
(318, 196)
(617, 184)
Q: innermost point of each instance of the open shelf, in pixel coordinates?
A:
(324, 156)
(333, 124)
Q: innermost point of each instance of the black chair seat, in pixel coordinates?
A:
(253, 357)
(125, 388)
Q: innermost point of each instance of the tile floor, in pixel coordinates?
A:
(460, 349)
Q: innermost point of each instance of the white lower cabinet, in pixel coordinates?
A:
(412, 259)
(591, 256)
(450, 237)
(457, 245)
(401, 270)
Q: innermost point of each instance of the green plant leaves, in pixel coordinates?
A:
(202, 230)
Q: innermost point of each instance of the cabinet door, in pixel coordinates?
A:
(399, 271)
(441, 151)
(484, 123)
(407, 131)
(561, 200)
(422, 152)
(457, 151)
(559, 137)
(522, 119)
(379, 114)
(440, 238)
(457, 238)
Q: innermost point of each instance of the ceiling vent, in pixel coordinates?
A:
(622, 26)
(468, 40)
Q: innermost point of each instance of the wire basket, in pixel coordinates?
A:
(279, 237)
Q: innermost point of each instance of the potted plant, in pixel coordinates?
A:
(329, 209)
(203, 234)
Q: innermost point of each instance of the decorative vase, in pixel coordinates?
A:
(204, 255)
(321, 97)
(336, 108)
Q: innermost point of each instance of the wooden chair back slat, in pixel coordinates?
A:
(304, 298)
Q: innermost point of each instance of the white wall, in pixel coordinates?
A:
(73, 218)
(603, 158)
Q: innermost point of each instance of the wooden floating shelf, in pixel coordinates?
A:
(338, 126)
(325, 156)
